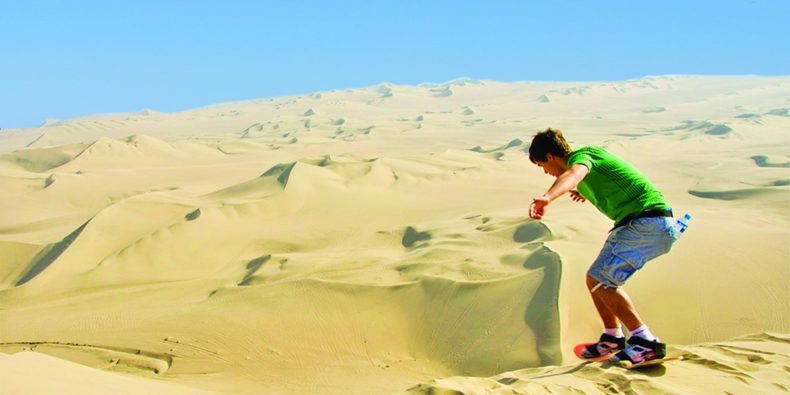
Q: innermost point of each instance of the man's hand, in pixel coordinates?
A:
(566, 182)
(537, 208)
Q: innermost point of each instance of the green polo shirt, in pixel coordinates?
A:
(613, 186)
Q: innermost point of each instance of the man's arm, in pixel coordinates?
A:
(564, 183)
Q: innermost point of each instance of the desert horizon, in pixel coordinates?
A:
(377, 240)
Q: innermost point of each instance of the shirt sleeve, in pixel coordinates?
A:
(581, 158)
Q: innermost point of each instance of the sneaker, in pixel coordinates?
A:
(606, 345)
(640, 350)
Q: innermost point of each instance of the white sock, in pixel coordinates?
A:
(616, 332)
(644, 333)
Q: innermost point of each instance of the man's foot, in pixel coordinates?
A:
(640, 350)
(606, 345)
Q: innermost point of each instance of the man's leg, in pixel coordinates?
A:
(626, 250)
(614, 304)
(608, 317)
(612, 339)
(612, 301)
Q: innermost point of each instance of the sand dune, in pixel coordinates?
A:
(746, 365)
(377, 240)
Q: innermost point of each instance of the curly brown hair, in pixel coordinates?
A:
(549, 141)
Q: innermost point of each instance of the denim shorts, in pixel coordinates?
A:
(630, 246)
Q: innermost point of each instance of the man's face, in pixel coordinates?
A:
(551, 166)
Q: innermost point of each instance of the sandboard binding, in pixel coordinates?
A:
(578, 351)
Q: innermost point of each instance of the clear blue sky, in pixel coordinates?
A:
(64, 59)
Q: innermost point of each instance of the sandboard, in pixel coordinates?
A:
(578, 351)
(652, 362)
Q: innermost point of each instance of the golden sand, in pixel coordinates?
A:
(376, 240)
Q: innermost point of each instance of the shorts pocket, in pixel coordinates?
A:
(618, 270)
(633, 257)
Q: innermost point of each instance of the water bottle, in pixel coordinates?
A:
(681, 224)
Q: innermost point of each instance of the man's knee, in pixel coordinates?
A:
(591, 282)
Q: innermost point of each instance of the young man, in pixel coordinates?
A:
(644, 229)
